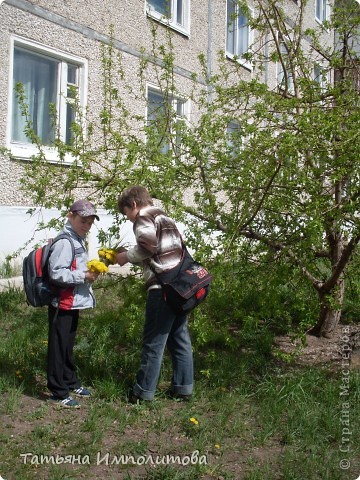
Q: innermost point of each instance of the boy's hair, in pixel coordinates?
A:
(136, 194)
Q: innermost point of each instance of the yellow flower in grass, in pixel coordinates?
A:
(97, 266)
(194, 421)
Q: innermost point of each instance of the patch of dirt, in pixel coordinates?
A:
(343, 345)
(236, 456)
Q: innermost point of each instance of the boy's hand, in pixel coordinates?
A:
(91, 276)
(121, 258)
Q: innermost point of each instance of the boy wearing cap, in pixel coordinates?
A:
(72, 276)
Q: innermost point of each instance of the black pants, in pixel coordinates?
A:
(61, 372)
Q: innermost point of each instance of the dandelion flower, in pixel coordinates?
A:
(107, 255)
(97, 266)
(194, 421)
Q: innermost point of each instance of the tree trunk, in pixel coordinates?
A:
(330, 311)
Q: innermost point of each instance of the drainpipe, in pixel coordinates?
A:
(209, 51)
(266, 53)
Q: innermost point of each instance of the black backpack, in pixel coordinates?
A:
(38, 288)
(186, 285)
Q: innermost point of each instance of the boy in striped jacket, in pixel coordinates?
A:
(158, 247)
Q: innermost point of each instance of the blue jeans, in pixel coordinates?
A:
(164, 328)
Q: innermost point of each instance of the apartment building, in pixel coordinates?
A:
(53, 47)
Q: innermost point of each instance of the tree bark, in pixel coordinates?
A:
(330, 311)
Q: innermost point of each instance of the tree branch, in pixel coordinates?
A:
(338, 270)
(287, 251)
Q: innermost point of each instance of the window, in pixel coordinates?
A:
(321, 76)
(318, 74)
(285, 77)
(322, 10)
(175, 13)
(238, 36)
(164, 118)
(233, 139)
(50, 84)
(236, 139)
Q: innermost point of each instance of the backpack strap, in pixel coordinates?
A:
(61, 236)
(174, 270)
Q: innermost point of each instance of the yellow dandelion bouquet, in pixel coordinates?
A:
(97, 266)
(107, 256)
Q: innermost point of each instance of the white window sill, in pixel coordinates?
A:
(167, 22)
(239, 60)
(26, 152)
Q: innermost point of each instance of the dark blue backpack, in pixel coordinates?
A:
(38, 288)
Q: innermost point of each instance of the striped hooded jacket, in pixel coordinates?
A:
(158, 242)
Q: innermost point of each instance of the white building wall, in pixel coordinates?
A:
(77, 28)
(20, 231)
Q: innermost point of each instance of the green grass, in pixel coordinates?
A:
(251, 417)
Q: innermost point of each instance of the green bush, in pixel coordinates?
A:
(269, 295)
(351, 309)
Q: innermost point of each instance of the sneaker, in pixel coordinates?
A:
(135, 400)
(81, 392)
(67, 402)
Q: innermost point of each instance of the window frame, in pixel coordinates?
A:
(174, 103)
(232, 55)
(171, 21)
(325, 11)
(320, 75)
(26, 150)
(233, 129)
